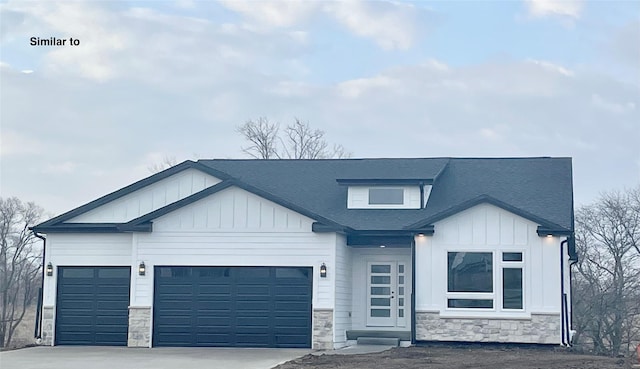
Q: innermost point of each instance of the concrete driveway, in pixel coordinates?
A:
(81, 357)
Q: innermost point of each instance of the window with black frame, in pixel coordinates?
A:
(512, 286)
(470, 273)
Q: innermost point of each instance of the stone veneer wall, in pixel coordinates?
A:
(541, 328)
(322, 337)
(47, 326)
(139, 326)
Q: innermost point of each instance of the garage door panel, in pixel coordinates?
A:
(252, 290)
(251, 306)
(111, 305)
(233, 306)
(220, 339)
(113, 289)
(216, 289)
(111, 339)
(221, 320)
(204, 306)
(114, 320)
(291, 322)
(92, 306)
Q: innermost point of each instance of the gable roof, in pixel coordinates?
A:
(539, 189)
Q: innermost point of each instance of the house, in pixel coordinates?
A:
(317, 253)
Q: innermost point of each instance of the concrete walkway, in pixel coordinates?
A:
(84, 357)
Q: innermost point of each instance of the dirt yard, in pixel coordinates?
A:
(450, 357)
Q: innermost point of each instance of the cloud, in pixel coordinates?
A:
(565, 8)
(177, 85)
(553, 67)
(392, 25)
(274, 13)
(612, 107)
(66, 167)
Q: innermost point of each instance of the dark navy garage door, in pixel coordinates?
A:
(232, 306)
(92, 306)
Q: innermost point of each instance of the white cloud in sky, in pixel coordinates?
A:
(173, 85)
(274, 13)
(392, 25)
(566, 8)
(612, 107)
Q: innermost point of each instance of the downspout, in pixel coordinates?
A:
(38, 328)
(413, 290)
(563, 297)
(571, 286)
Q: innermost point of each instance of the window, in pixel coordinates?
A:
(386, 196)
(471, 277)
(512, 294)
(512, 288)
(470, 272)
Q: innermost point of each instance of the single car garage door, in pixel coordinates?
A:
(92, 306)
(232, 306)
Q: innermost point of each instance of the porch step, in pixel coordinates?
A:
(385, 341)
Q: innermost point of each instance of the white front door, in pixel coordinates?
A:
(387, 294)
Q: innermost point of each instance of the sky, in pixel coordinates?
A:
(156, 79)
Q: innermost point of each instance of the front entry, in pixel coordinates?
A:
(387, 293)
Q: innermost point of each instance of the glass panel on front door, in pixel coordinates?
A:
(386, 300)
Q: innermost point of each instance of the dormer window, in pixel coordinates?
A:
(388, 193)
(386, 196)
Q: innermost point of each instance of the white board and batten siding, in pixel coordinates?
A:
(487, 228)
(343, 290)
(235, 228)
(84, 250)
(149, 198)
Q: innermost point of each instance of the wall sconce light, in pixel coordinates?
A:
(323, 271)
(141, 268)
(49, 269)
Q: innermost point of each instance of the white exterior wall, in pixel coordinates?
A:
(83, 250)
(235, 228)
(343, 287)
(489, 228)
(358, 198)
(149, 198)
(360, 257)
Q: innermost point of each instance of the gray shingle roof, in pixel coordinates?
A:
(538, 188)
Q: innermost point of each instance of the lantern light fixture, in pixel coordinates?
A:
(323, 270)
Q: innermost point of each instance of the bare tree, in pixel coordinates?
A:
(607, 285)
(300, 141)
(263, 136)
(167, 162)
(19, 263)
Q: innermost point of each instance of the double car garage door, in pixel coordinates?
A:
(193, 306)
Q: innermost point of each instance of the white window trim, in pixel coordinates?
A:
(496, 295)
